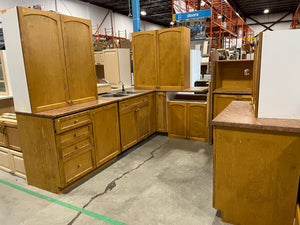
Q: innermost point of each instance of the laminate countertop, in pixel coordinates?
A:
(240, 114)
(102, 101)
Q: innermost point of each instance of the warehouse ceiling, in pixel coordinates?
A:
(160, 11)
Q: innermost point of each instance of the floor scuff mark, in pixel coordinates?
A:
(113, 184)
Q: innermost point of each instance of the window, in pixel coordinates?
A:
(3, 81)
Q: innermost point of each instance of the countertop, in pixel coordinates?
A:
(240, 114)
(102, 101)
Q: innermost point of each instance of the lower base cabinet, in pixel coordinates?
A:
(12, 161)
(106, 133)
(136, 121)
(187, 120)
(221, 101)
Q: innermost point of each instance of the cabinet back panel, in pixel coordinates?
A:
(44, 59)
(144, 59)
(80, 60)
(111, 68)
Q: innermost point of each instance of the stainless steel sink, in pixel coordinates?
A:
(120, 94)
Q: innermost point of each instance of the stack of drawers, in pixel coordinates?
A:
(75, 146)
(11, 157)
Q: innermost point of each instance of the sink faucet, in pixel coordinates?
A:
(123, 88)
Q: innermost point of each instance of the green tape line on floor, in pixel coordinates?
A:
(67, 205)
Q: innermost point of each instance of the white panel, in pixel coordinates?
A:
(279, 91)
(195, 66)
(14, 55)
(124, 65)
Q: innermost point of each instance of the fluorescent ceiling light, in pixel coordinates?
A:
(266, 11)
(172, 23)
(202, 3)
(143, 13)
(219, 16)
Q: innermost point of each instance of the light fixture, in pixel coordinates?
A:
(143, 13)
(202, 3)
(219, 16)
(237, 14)
(266, 11)
(172, 23)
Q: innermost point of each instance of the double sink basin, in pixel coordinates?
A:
(120, 94)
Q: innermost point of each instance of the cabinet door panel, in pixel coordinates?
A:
(79, 52)
(106, 133)
(144, 59)
(197, 122)
(152, 106)
(128, 127)
(44, 61)
(222, 101)
(143, 122)
(111, 67)
(177, 119)
(161, 114)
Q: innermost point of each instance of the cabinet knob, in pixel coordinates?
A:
(79, 165)
(77, 147)
(75, 135)
(76, 121)
(69, 102)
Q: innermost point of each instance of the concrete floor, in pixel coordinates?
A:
(162, 180)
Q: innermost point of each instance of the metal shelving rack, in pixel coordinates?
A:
(296, 20)
(108, 35)
(224, 24)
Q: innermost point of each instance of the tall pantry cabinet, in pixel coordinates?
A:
(53, 60)
(161, 59)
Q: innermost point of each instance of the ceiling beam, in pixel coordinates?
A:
(259, 23)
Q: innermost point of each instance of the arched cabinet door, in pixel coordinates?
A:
(144, 59)
(44, 61)
(80, 61)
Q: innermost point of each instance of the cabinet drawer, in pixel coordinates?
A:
(70, 122)
(77, 147)
(76, 166)
(131, 103)
(72, 137)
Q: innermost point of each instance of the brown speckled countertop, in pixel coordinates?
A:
(240, 114)
(102, 101)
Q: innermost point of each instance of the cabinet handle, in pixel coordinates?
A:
(69, 102)
(79, 165)
(137, 109)
(126, 105)
(2, 129)
(76, 121)
(77, 147)
(75, 135)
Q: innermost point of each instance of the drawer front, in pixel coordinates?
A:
(77, 166)
(131, 103)
(77, 147)
(70, 122)
(72, 137)
(4, 159)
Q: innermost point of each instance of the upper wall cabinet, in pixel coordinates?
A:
(161, 58)
(79, 52)
(50, 59)
(173, 58)
(144, 59)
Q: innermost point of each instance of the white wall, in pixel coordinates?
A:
(83, 10)
(265, 18)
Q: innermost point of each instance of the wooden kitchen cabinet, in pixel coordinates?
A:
(144, 59)
(188, 120)
(55, 72)
(177, 119)
(12, 161)
(79, 58)
(161, 112)
(152, 112)
(117, 66)
(106, 133)
(9, 136)
(197, 128)
(222, 101)
(166, 63)
(134, 120)
(173, 57)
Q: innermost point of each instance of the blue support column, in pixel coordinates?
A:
(136, 15)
